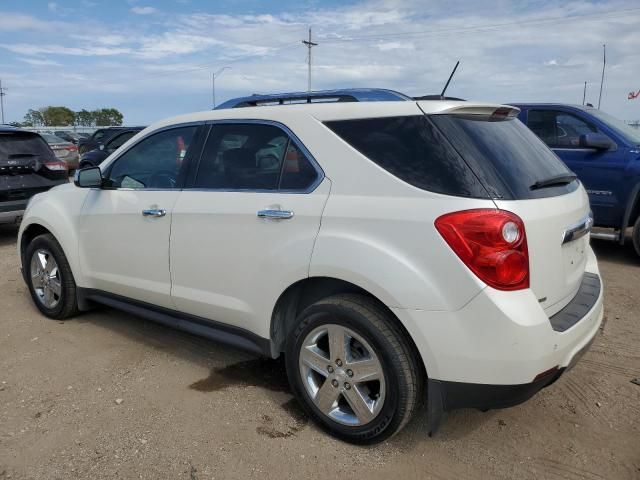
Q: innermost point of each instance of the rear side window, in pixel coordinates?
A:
(253, 157)
(558, 129)
(507, 157)
(22, 145)
(412, 149)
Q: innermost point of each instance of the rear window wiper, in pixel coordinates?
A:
(554, 181)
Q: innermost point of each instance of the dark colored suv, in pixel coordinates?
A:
(27, 166)
(95, 157)
(99, 137)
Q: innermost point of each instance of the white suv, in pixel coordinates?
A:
(394, 251)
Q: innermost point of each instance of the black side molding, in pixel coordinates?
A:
(580, 305)
(216, 331)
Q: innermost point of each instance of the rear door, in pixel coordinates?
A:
(244, 230)
(598, 170)
(512, 162)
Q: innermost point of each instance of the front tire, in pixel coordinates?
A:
(636, 236)
(49, 278)
(354, 369)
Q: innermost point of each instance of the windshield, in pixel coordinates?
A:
(630, 134)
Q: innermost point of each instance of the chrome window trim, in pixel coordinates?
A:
(320, 175)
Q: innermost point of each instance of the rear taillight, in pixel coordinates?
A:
(492, 243)
(71, 148)
(57, 166)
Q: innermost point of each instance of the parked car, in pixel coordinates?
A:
(397, 251)
(98, 137)
(27, 167)
(605, 154)
(65, 151)
(93, 158)
(68, 135)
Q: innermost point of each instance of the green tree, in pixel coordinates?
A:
(58, 116)
(85, 118)
(106, 117)
(33, 118)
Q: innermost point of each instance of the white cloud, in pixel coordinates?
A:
(40, 63)
(52, 6)
(144, 10)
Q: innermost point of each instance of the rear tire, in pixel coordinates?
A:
(636, 236)
(369, 391)
(49, 278)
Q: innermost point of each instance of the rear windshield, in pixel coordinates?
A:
(458, 155)
(507, 156)
(15, 145)
(412, 149)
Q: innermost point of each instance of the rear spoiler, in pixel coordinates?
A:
(492, 112)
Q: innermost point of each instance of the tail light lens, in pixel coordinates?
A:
(491, 243)
(55, 166)
(72, 148)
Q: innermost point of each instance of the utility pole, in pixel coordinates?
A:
(309, 45)
(604, 63)
(584, 93)
(2, 94)
(213, 84)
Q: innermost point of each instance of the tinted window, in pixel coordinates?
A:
(297, 171)
(154, 162)
(22, 145)
(412, 149)
(250, 157)
(558, 129)
(118, 141)
(505, 155)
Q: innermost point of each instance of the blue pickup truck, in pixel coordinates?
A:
(605, 154)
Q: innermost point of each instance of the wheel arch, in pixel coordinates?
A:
(631, 212)
(307, 291)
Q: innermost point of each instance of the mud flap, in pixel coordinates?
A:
(435, 406)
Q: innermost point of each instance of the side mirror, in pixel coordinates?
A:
(597, 141)
(88, 178)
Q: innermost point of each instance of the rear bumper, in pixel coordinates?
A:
(500, 339)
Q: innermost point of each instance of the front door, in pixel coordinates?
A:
(124, 227)
(245, 229)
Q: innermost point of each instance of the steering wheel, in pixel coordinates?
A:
(163, 179)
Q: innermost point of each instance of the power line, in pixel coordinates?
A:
(418, 33)
(309, 45)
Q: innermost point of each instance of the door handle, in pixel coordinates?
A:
(154, 212)
(276, 214)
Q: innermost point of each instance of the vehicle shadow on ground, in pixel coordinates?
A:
(8, 235)
(616, 253)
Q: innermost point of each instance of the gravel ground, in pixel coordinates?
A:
(108, 395)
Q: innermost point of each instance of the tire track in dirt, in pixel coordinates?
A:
(555, 469)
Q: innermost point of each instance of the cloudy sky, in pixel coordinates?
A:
(153, 59)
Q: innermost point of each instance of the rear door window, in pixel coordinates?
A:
(412, 149)
(253, 157)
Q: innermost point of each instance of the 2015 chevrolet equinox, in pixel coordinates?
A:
(392, 250)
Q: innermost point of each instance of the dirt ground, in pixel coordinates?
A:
(108, 395)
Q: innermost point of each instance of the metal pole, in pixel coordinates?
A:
(584, 93)
(309, 45)
(213, 89)
(604, 63)
(2, 101)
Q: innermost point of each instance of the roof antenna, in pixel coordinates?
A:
(449, 81)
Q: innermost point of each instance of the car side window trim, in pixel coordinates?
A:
(188, 159)
(557, 112)
(320, 175)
